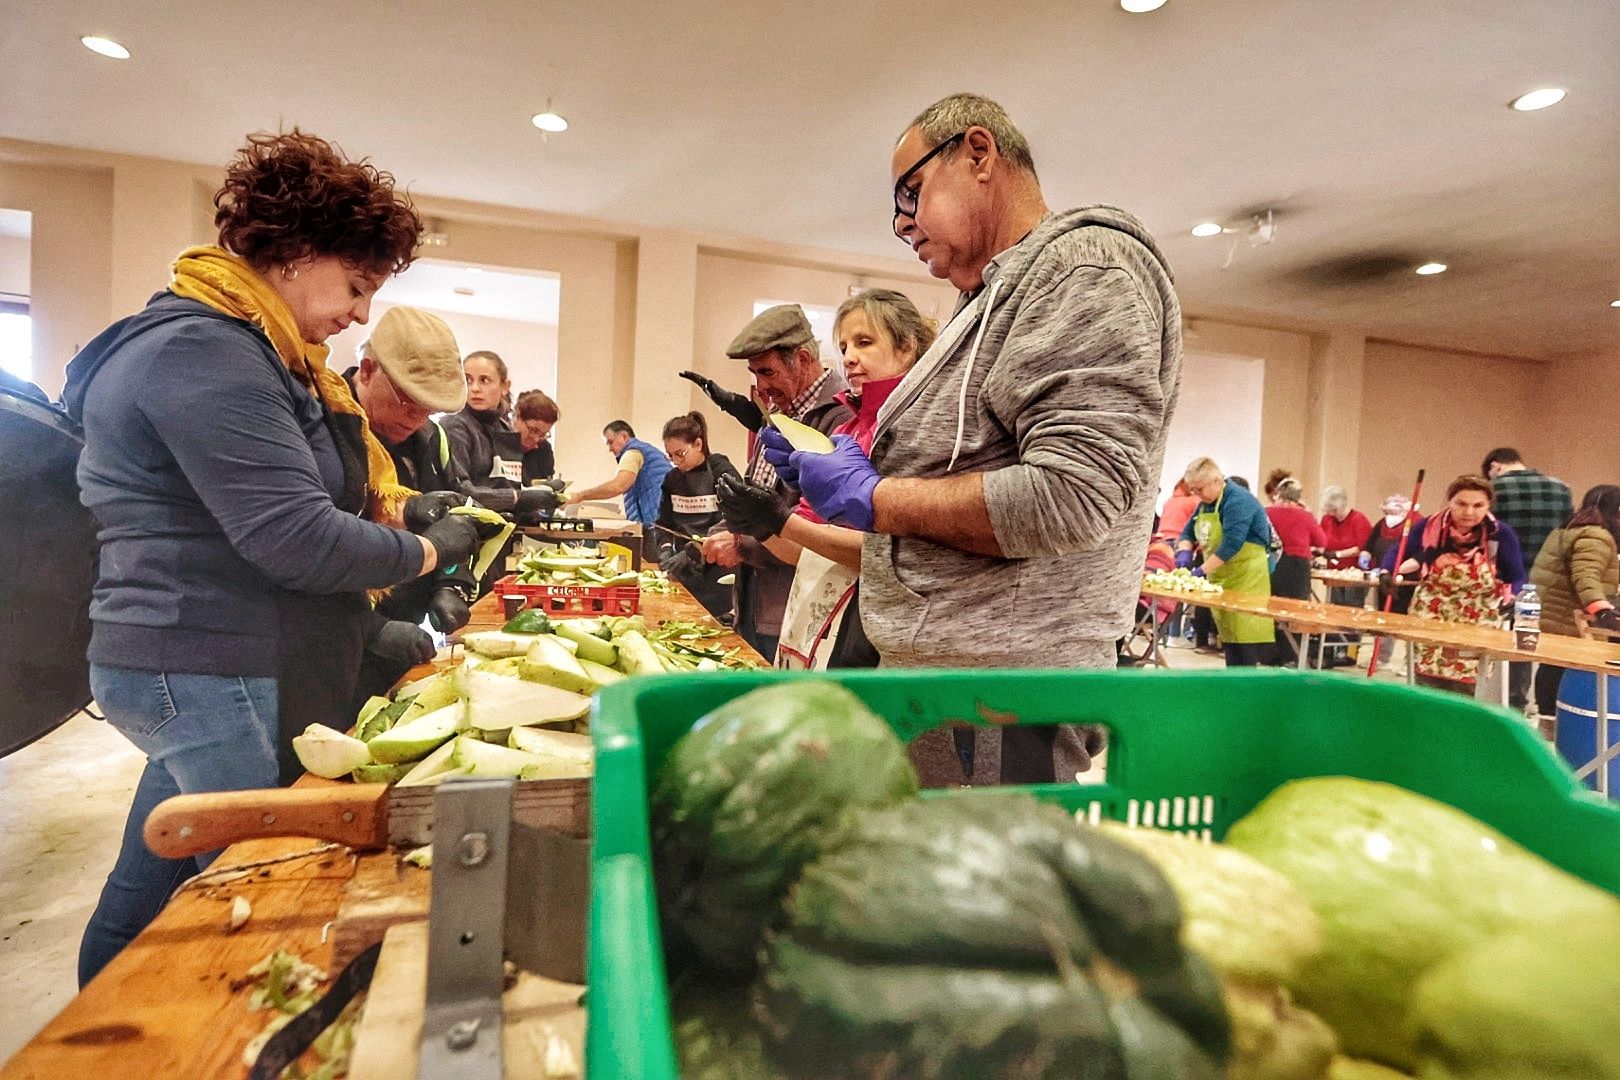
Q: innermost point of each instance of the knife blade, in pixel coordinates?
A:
(367, 817)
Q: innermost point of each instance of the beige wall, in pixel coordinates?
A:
(1439, 411)
(1576, 433)
(71, 266)
(14, 265)
(639, 305)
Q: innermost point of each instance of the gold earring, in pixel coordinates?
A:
(289, 272)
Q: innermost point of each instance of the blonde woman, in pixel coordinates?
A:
(880, 334)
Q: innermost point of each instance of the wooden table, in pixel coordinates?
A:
(1304, 619)
(167, 1005)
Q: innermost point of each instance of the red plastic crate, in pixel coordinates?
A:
(574, 599)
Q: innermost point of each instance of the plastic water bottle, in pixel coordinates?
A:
(1527, 618)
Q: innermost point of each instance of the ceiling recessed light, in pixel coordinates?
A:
(473, 269)
(549, 121)
(104, 46)
(1538, 99)
(1141, 7)
(1614, 303)
(1431, 268)
(1208, 228)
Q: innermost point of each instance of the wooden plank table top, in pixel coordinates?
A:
(1316, 617)
(168, 1005)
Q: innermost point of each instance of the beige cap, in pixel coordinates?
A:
(781, 327)
(419, 355)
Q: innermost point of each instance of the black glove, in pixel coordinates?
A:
(750, 509)
(1607, 619)
(423, 510)
(536, 502)
(402, 641)
(684, 561)
(448, 610)
(737, 406)
(457, 538)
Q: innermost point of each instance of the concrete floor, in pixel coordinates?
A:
(66, 797)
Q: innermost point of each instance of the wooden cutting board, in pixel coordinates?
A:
(386, 1043)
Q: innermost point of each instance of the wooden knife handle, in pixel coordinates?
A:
(352, 814)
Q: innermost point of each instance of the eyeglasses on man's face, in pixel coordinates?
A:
(906, 193)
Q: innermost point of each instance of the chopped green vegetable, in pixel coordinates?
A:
(328, 753)
(412, 739)
(528, 621)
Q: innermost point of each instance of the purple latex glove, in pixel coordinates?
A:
(839, 485)
(1183, 559)
(1198, 571)
(779, 452)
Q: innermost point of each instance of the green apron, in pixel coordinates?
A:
(1246, 572)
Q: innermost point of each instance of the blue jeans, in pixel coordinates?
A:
(199, 733)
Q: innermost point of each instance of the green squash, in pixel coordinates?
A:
(717, 1037)
(987, 935)
(1401, 882)
(755, 790)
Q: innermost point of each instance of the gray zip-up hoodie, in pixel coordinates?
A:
(1057, 382)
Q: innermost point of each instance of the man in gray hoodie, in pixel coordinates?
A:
(1009, 494)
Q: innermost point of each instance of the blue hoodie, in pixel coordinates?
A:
(212, 475)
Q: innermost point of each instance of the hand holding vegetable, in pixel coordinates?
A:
(402, 641)
(423, 510)
(456, 538)
(779, 452)
(536, 502)
(839, 485)
(752, 509)
(448, 610)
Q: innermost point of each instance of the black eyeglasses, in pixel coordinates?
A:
(905, 195)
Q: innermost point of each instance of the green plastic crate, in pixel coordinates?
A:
(1189, 751)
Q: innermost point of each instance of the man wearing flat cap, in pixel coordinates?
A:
(409, 369)
(784, 359)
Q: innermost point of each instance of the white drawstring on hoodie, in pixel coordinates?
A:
(967, 371)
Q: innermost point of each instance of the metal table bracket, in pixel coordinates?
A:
(461, 1031)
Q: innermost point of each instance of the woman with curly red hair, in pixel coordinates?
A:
(232, 475)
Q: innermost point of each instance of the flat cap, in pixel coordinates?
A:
(781, 327)
(418, 353)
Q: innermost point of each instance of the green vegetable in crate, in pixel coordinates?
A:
(756, 789)
(987, 935)
(1257, 931)
(1242, 916)
(1401, 882)
(1526, 1006)
(1345, 1068)
(717, 1038)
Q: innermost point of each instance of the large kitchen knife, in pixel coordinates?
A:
(367, 817)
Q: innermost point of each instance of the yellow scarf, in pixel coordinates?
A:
(213, 276)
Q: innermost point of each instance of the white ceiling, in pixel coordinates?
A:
(1376, 128)
(488, 292)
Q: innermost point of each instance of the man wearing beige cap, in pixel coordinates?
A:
(409, 369)
(786, 365)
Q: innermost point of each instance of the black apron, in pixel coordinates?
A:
(322, 637)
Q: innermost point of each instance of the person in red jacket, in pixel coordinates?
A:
(1344, 536)
(1344, 530)
(1299, 533)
